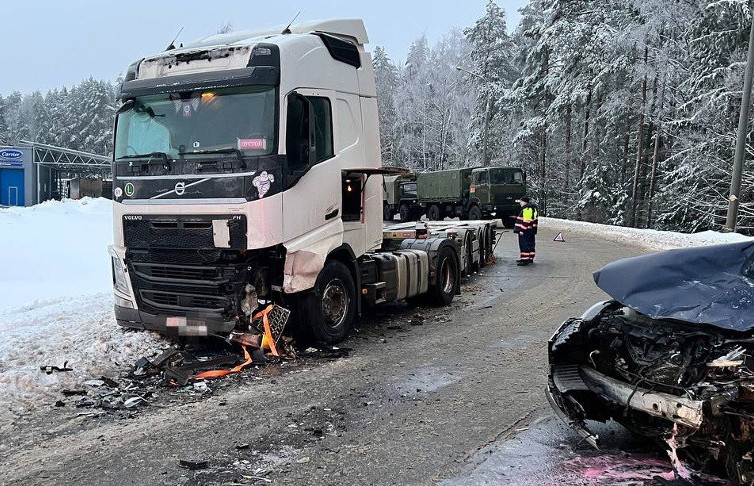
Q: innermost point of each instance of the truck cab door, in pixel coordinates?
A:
(480, 186)
(311, 198)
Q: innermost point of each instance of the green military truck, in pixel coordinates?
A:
(399, 197)
(471, 193)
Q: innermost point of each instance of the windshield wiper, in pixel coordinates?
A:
(151, 155)
(234, 151)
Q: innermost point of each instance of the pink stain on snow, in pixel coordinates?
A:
(607, 469)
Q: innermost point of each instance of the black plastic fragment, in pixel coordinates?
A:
(194, 463)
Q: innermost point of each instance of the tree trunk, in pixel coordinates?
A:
(568, 150)
(640, 146)
(586, 135)
(626, 155)
(543, 172)
(655, 156)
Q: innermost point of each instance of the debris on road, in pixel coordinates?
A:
(194, 463)
(50, 369)
(184, 369)
(672, 358)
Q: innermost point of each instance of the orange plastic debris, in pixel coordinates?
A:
(220, 373)
(268, 342)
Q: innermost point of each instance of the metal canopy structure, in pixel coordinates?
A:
(56, 165)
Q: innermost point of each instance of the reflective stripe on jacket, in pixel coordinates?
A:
(527, 219)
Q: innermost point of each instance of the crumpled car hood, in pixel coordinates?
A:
(706, 285)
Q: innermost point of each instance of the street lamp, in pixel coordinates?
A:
(486, 114)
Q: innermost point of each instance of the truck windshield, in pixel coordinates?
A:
(221, 120)
(506, 176)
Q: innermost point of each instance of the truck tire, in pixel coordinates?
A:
(330, 308)
(387, 213)
(433, 213)
(508, 221)
(405, 213)
(475, 213)
(442, 291)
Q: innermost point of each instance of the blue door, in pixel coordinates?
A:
(12, 187)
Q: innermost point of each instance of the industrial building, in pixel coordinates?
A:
(31, 173)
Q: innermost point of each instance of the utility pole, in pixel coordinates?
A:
(743, 128)
(486, 131)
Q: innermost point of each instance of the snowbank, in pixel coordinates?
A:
(646, 238)
(56, 303)
(54, 249)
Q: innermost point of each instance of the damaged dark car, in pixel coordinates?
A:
(670, 358)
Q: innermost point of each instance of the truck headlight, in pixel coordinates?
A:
(119, 276)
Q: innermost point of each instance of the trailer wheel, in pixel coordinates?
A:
(475, 213)
(330, 307)
(433, 213)
(443, 290)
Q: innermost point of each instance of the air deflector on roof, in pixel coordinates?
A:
(341, 50)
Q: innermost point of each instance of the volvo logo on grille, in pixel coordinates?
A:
(180, 188)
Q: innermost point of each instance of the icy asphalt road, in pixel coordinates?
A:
(444, 401)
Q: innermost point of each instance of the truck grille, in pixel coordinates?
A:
(176, 272)
(184, 301)
(506, 198)
(177, 290)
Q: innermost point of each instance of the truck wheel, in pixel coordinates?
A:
(330, 308)
(508, 221)
(441, 292)
(405, 212)
(475, 213)
(387, 213)
(433, 213)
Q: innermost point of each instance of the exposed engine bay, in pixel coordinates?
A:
(671, 359)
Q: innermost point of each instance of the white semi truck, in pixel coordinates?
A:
(247, 171)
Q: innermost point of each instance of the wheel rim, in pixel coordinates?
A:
(446, 276)
(335, 303)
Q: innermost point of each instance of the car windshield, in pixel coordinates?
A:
(222, 120)
(506, 176)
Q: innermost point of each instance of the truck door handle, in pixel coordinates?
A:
(331, 214)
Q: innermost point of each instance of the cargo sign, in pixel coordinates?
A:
(11, 158)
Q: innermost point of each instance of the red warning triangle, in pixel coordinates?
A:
(559, 237)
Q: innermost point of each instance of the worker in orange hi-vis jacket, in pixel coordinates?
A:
(526, 227)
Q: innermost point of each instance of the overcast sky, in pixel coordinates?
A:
(48, 44)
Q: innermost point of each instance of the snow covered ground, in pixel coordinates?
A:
(56, 302)
(650, 239)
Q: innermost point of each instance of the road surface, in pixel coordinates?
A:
(425, 396)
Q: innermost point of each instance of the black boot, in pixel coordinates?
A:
(523, 263)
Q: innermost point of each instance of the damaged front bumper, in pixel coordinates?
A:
(180, 325)
(688, 389)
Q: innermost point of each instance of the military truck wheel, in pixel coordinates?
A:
(475, 213)
(442, 291)
(405, 212)
(508, 221)
(387, 213)
(330, 308)
(433, 213)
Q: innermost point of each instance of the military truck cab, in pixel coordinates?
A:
(494, 191)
